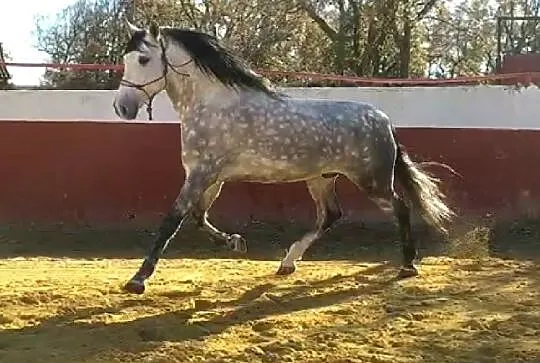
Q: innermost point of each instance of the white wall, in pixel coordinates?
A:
(458, 107)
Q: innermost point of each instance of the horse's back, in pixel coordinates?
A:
(362, 118)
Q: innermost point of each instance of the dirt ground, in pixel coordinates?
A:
(477, 298)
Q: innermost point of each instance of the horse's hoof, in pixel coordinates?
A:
(238, 243)
(134, 287)
(406, 272)
(285, 270)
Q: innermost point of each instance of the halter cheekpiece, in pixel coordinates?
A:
(166, 65)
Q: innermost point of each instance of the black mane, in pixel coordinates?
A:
(211, 58)
(134, 42)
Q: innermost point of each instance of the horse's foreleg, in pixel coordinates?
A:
(192, 190)
(323, 192)
(200, 212)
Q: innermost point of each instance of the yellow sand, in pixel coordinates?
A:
(66, 310)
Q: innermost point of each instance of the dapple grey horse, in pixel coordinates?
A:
(234, 127)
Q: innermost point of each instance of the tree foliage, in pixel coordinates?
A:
(520, 37)
(371, 38)
(461, 41)
(88, 31)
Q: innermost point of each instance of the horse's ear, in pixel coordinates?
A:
(154, 30)
(131, 28)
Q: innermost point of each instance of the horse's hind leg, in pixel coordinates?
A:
(391, 201)
(323, 192)
(408, 245)
(380, 189)
(200, 212)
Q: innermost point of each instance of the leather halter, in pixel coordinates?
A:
(166, 66)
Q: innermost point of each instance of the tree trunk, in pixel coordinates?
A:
(340, 41)
(405, 50)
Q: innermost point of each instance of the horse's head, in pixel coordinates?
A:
(155, 55)
(145, 70)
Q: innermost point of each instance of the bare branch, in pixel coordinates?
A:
(310, 10)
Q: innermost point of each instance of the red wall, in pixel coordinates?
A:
(112, 173)
(518, 63)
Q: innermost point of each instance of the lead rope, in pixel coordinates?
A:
(149, 108)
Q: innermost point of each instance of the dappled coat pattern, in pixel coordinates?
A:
(235, 128)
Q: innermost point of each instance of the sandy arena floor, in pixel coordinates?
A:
(62, 309)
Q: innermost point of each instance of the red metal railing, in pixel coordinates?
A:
(507, 78)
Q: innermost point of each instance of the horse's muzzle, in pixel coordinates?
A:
(126, 112)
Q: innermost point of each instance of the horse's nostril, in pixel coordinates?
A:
(124, 111)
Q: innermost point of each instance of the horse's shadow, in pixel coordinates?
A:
(68, 335)
(346, 241)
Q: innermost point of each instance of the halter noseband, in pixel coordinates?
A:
(166, 65)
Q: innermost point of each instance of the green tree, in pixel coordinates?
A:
(84, 32)
(269, 34)
(461, 40)
(520, 36)
(374, 37)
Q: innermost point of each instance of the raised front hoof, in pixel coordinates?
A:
(237, 243)
(407, 272)
(285, 270)
(134, 287)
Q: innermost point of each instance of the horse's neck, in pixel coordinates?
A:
(188, 93)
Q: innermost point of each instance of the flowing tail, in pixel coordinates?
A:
(423, 191)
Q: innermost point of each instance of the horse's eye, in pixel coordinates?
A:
(143, 60)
